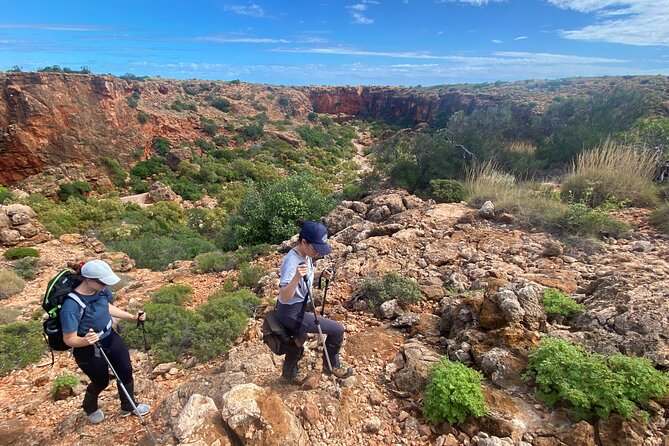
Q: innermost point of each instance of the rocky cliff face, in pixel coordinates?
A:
(393, 104)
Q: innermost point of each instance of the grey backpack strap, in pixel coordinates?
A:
(78, 300)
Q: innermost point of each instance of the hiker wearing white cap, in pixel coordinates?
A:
(86, 328)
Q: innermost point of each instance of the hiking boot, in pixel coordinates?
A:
(142, 409)
(96, 417)
(340, 371)
(296, 376)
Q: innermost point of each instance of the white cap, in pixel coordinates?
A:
(97, 269)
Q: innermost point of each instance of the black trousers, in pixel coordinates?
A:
(94, 365)
(334, 331)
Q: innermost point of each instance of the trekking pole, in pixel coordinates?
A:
(325, 291)
(127, 395)
(140, 325)
(320, 336)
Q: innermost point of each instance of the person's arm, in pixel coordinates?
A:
(73, 340)
(288, 290)
(122, 314)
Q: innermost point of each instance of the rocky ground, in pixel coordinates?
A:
(450, 251)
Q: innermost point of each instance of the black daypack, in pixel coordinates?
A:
(59, 289)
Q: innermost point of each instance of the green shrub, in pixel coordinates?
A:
(21, 343)
(132, 102)
(312, 116)
(19, 253)
(158, 251)
(170, 331)
(142, 117)
(580, 220)
(268, 215)
(78, 189)
(173, 331)
(222, 104)
(64, 380)
(6, 195)
(352, 191)
(209, 127)
(253, 131)
(211, 262)
(160, 145)
(26, 267)
(181, 106)
(224, 319)
(172, 294)
(453, 393)
(447, 191)
(377, 290)
(555, 302)
(250, 276)
(660, 218)
(117, 173)
(10, 284)
(593, 385)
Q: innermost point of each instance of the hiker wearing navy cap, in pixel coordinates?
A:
(297, 278)
(87, 326)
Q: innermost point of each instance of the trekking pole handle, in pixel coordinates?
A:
(139, 321)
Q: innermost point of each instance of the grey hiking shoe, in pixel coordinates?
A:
(96, 417)
(142, 409)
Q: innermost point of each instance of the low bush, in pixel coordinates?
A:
(157, 252)
(21, 343)
(64, 380)
(453, 393)
(250, 276)
(9, 314)
(6, 195)
(19, 253)
(173, 331)
(447, 191)
(591, 384)
(117, 174)
(377, 290)
(660, 218)
(555, 302)
(10, 284)
(78, 189)
(172, 294)
(142, 117)
(581, 220)
(221, 104)
(26, 267)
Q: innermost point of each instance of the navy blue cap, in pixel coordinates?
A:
(317, 235)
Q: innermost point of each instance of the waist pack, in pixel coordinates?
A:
(277, 337)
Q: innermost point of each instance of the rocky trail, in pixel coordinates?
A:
(481, 282)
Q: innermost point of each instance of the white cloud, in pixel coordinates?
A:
(629, 22)
(497, 41)
(357, 11)
(521, 38)
(252, 10)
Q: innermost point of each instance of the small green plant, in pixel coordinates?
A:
(26, 267)
(176, 294)
(9, 314)
(19, 253)
(660, 218)
(117, 174)
(5, 195)
(64, 380)
(221, 104)
(555, 302)
(447, 191)
(250, 276)
(10, 284)
(160, 145)
(377, 290)
(453, 393)
(593, 385)
(142, 117)
(21, 343)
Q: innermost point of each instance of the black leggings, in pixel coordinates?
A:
(97, 370)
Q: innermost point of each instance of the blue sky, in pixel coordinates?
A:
(364, 42)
